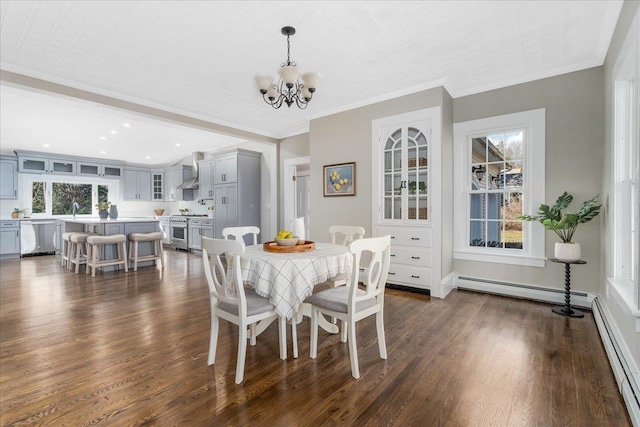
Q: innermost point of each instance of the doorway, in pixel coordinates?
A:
(296, 191)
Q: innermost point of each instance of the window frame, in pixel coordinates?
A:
(29, 179)
(532, 123)
(624, 187)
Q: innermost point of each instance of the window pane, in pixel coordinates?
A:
(38, 201)
(476, 233)
(103, 194)
(493, 234)
(64, 195)
(511, 206)
(477, 206)
(479, 177)
(512, 236)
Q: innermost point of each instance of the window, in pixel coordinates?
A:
(626, 158)
(499, 164)
(56, 195)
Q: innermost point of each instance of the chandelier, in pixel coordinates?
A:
(289, 89)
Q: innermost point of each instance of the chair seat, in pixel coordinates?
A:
(336, 299)
(255, 304)
(106, 240)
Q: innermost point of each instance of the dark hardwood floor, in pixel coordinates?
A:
(131, 349)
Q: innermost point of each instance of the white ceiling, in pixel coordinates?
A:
(198, 59)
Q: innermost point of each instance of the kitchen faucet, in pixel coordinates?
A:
(74, 207)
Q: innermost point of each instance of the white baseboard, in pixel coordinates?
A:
(619, 361)
(447, 284)
(519, 290)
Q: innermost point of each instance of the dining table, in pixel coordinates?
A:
(287, 279)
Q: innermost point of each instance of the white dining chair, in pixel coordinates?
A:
(343, 235)
(238, 233)
(350, 303)
(232, 302)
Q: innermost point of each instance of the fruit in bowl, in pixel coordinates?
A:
(286, 238)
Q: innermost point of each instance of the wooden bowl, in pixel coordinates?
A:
(287, 242)
(159, 212)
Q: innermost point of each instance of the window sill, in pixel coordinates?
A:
(623, 296)
(501, 258)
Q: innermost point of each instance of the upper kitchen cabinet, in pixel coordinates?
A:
(206, 172)
(136, 184)
(225, 168)
(8, 178)
(157, 185)
(28, 164)
(100, 170)
(173, 177)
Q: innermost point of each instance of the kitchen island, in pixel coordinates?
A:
(109, 227)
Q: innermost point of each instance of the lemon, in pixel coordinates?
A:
(337, 187)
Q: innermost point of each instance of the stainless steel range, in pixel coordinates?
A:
(179, 233)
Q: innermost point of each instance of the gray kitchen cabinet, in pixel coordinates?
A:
(206, 173)
(225, 168)
(9, 239)
(173, 177)
(29, 164)
(99, 170)
(8, 178)
(199, 228)
(165, 227)
(136, 185)
(237, 202)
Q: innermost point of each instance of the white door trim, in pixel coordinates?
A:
(289, 170)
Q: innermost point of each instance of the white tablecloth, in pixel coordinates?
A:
(287, 279)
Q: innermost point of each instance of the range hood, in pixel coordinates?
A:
(193, 183)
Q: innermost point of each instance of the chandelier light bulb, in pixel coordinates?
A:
(288, 90)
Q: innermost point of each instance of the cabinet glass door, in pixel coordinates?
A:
(405, 165)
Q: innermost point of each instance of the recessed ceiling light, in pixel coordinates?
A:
(45, 145)
(114, 132)
(103, 152)
(103, 138)
(125, 125)
(177, 145)
(148, 157)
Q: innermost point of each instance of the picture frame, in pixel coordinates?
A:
(339, 179)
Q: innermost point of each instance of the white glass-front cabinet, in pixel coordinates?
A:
(406, 201)
(405, 159)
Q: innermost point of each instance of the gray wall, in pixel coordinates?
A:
(574, 105)
(346, 137)
(621, 315)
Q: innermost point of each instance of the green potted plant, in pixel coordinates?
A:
(564, 224)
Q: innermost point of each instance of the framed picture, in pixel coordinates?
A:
(340, 179)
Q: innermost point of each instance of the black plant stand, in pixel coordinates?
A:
(566, 310)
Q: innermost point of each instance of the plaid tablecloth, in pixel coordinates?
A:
(287, 279)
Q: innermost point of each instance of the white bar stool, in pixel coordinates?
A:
(77, 253)
(135, 238)
(95, 244)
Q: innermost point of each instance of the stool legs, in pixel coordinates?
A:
(95, 253)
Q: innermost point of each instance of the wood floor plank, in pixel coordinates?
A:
(131, 349)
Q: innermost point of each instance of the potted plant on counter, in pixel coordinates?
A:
(565, 224)
(103, 209)
(17, 213)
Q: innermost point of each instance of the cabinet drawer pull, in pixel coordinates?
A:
(415, 277)
(392, 255)
(415, 238)
(415, 257)
(393, 237)
(392, 274)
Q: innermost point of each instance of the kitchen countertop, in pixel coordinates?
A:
(108, 220)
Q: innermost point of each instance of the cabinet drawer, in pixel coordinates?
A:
(207, 222)
(195, 222)
(409, 236)
(418, 257)
(415, 276)
(9, 224)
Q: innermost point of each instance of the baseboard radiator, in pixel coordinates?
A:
(621, 370)
(519, 290)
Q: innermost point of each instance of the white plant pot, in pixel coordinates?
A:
(568, 251)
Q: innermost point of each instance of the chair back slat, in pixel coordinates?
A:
(238, 233)
(349, 233)
(225, 284)
(375, 278)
